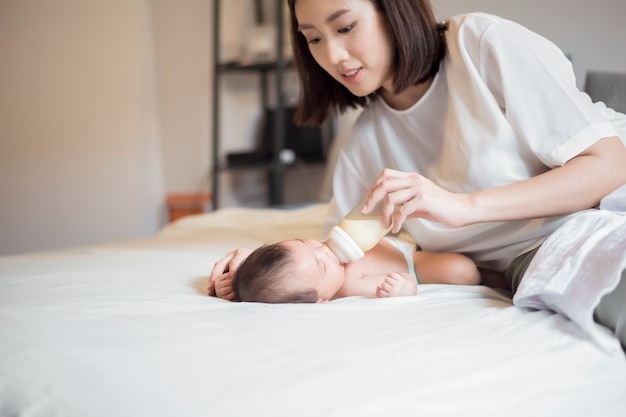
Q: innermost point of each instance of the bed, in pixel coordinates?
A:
(126, 329)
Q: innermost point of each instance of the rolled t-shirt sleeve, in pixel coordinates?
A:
(533, 82)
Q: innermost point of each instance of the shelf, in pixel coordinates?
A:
(238, 66)
(250, 160)
(268, 165)
(266, 155)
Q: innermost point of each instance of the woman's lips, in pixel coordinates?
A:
(353, 75)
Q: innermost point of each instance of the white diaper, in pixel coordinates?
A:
(407, 249)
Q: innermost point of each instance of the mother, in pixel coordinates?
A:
(474, 136)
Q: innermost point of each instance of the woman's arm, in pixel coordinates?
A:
(577, 185)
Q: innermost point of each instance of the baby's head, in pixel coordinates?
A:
(291, 271)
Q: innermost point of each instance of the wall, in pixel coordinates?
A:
(79, 146)
(591, 32)
(182, 49)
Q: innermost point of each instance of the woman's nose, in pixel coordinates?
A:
(336, 52)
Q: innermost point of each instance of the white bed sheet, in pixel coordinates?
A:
(126, 330)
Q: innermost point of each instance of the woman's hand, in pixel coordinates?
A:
(223, 272)
(406, 195)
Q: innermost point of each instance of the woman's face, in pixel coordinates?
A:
(349, 40)
(316, 266)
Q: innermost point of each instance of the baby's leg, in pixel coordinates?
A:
(445, 268)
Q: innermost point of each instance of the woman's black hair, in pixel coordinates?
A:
(419, 46)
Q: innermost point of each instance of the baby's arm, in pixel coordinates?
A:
(397, 284)
(391, 284)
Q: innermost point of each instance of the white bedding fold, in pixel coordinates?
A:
(576, 265)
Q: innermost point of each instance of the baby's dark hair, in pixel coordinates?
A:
(263, 277)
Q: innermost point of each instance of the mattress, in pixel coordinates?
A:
(126, 329)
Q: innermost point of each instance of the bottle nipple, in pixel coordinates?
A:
(343, 246)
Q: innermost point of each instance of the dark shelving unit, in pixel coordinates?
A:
(270, 160)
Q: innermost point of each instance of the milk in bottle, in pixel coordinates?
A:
(356, 234)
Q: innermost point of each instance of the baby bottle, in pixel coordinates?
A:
(357, 233)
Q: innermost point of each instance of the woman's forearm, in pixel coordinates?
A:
(579, 184)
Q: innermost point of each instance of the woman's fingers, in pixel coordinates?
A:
(405, 195)
(408, 203)
(394, 190)
(388, 181)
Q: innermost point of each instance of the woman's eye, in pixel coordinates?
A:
(313, 41)
(347, 28)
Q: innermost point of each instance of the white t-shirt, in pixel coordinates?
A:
(503, 107)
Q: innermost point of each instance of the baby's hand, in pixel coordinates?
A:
(397, 284)
(224, 287)
(225, 268)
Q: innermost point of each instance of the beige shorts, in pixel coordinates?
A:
(516, 269)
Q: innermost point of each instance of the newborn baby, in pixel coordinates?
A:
(307, 271)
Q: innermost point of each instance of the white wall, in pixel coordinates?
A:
(182, 46)
(592, 32)
(81, 118)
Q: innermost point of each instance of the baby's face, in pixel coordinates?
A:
(317, 267)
